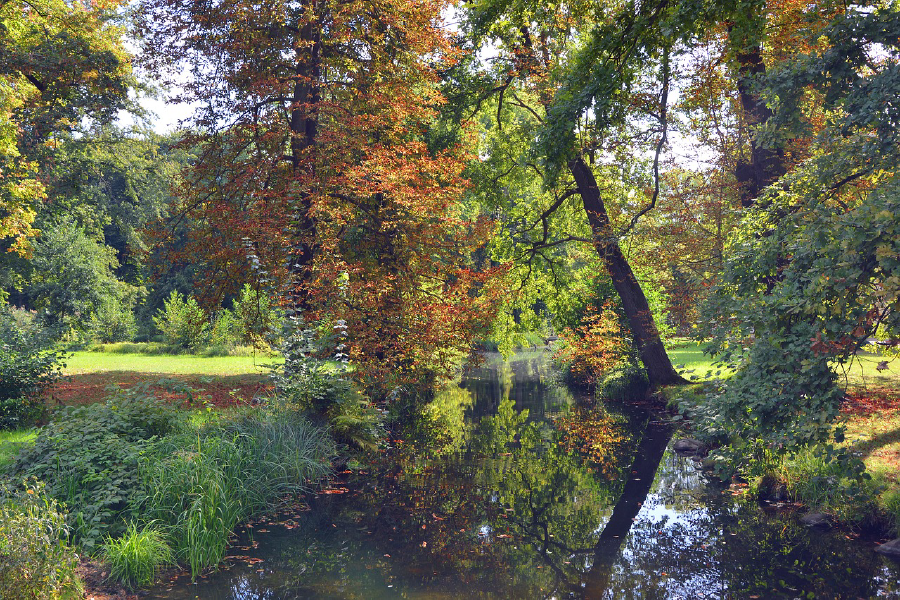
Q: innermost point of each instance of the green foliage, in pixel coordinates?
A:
(11, 443)
(307, 382)
(200, 485)
(259, 317)
(35, 561)
(813, 271)
(22, 330)
(225, 334)
(135, 457)
(26, 370)
(114, 320)
(820, 477)
(137, 556)
(72, 276)
(89, 455)
(625, 382)
(182, 321)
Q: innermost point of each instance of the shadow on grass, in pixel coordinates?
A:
(880, 440)
(221, 391)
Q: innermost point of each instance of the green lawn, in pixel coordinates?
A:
(168, 364)
(689, 360)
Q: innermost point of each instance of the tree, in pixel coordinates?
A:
(72, 278)
(813, 271)
(313, 173)
(61, 63)
(600, 75)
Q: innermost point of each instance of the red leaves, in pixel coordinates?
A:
(314, 177)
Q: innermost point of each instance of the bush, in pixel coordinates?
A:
(596, 346)
(625, 382)
(135, 457)
(226, 332)
(89, 457)
(182, 322)
(114, 321)
(36, 562)
(137, 556)
(259, 317)
(26, 370)
(308, 383)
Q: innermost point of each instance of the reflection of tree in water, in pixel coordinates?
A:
(507, 511)
(527, 379)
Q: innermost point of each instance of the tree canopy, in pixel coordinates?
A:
(61, 64)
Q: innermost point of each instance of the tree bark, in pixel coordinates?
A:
(646, 336)
(304, 129)
(766, 164)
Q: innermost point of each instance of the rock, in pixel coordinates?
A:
(891, 548)
(815, 519)
(688, 446)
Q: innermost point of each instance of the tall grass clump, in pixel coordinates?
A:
(137, 460)
(834, 482)
(35, 561)
(202, 485)
(137, 556)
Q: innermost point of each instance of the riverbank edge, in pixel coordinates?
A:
(778, 483)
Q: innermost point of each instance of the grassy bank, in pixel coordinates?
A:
(156, 458)
(871, 416)
(143, 481)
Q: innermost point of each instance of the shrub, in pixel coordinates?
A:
(136, 457)
(182, 321)
(625, 382)
(89, 457)
(597, 345)
(226, 331)
(24, 375)
(114, 320)
(259, 317)
(36, 562)
(306, 382)
(137, 556)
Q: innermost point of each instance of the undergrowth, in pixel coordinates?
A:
(135, 460)
(138, 555)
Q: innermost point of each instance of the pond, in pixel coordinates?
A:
(495, 504)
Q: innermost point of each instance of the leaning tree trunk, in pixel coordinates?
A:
(646, 336)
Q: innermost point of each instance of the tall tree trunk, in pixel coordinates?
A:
(766, 164)
(304, 128)
(646, 336)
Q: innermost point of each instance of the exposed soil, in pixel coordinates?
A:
(191, 390)
(97, 586)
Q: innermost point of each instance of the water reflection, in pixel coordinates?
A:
(530, 500)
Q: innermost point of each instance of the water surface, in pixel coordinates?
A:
(498, 502)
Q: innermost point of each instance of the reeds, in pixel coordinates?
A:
(136, 557)
(202, 487)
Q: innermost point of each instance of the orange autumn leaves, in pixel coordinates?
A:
(314, 174)
(595, 347)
